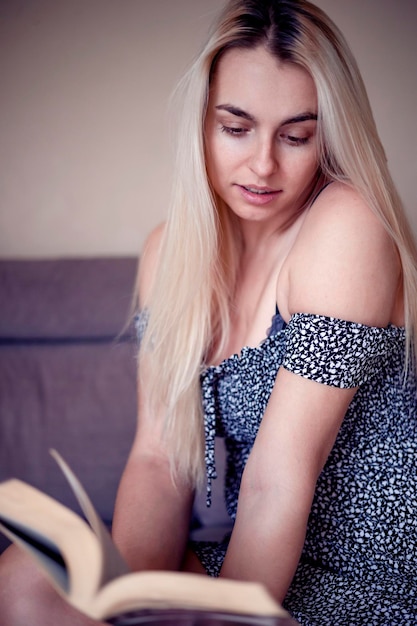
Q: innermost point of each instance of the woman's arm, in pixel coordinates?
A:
(277, 489)
(152, 514)
(343, 265)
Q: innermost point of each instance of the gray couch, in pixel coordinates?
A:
(68, 379)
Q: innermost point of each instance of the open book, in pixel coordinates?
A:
(83, 564)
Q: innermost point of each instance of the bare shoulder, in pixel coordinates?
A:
(344, 263)
(340, 215)
(148, 263)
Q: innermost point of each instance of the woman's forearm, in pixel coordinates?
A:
(267, 542)
(152, 515)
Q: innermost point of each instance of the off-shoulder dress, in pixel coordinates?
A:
(359, 562)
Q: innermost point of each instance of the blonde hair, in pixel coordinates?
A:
(195, 280)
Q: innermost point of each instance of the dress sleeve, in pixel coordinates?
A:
(336, 352)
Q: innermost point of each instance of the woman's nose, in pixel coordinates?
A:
(264, 158)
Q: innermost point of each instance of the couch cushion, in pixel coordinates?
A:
(67, 373)
(65, 298)
(79, 399)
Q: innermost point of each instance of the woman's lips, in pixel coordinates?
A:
(258, 195)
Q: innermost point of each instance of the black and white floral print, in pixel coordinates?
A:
(336, 352)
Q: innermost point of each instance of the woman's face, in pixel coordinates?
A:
(260, 135)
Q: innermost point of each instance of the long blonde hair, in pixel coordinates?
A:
(195, 279)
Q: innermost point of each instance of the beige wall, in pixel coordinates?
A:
(84, 84)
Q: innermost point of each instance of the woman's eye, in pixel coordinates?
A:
(295, 141)
(231, 130)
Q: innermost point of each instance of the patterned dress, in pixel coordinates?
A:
(359, 562)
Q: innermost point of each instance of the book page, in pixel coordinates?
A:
(60, 541)
(161, 590)
(113, 563)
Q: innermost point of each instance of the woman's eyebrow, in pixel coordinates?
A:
(238, 112)
(230, 108)
(303, 117)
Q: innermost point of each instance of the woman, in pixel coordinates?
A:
(283, 208)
